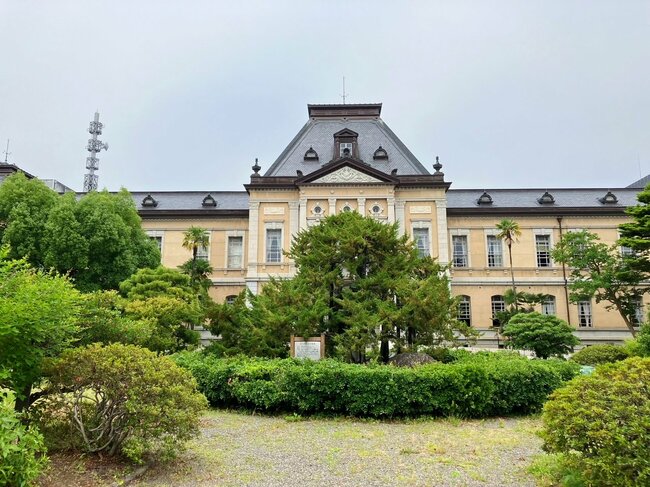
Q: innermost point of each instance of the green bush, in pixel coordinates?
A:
(600, 354)
(601, 423)
(127, 400)
(546, 335)
(643, 340)
(473, 386)
(22, 451)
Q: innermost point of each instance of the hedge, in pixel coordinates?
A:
(473, 386)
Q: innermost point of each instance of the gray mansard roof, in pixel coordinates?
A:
(641, 183)
(318, 133)
(191, 202)
(527, 200)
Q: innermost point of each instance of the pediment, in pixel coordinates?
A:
(346, 171)
(347, 175)
(346, 132)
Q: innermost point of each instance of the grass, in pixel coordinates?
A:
(241, 449)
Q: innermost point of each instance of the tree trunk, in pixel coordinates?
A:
(512, 272)
(384, 350)
(626, 319)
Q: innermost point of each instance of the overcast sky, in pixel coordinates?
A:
(508, 94)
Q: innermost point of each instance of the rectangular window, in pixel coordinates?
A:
(465, 311)
(498, 305)
(459, 247)
(421, 239)
(494, 251)
(235, 252)
(543, 249)
(343, 146)
(627, 252)
(203, 253)
(548, 306)
(156, 236)
(584, 314)
(273, 245)
(638, 318)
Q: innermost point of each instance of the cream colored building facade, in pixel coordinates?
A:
(346, 158)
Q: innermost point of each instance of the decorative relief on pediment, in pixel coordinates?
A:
(347, 175)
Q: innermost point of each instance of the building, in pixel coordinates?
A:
(345, 158)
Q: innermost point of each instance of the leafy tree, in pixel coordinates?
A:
(38, 319)
(25, 205)
(545, 335)
(103, 320)
(165, 297)
(600, 271)
(98, 240)
(509, 231)
(522, 302)
(636, 234)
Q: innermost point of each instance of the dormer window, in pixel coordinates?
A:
(209, 201)
(345, 144)
(149, 201)
(380, 154)
(311, 155)
(609, 199)
(485, 199)
(546, 199)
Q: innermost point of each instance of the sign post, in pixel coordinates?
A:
(312, 348)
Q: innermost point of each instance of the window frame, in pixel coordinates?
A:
(155, 235)
(462, 237)
(233, 235)
(588, 318)
(203, 253)
(273, 226)
(492, 234)
(464, 313)
(547, 234)
(496, 322)
(546, 304)
(422, 227)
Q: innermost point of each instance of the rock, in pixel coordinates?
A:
(411, 359)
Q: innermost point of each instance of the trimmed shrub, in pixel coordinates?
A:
(122, 399)
(546, 335)
(479, 386)
(601, 423)
(600, 354)
(22, 452)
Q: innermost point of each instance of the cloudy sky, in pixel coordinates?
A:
(508, 94)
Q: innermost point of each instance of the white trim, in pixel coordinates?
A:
(422, 225)
(235, 233)
(460, 232)
(274, 226)
(492, 232)
(544, 232)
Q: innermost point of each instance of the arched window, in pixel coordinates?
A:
(498, 305)
(548, 306)
(465, 310)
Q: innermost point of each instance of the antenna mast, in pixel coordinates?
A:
(7, 153)
(94, 146)
(343, 95)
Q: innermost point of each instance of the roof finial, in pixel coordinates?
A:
(256, 168)
(437, 166)
(343, 95)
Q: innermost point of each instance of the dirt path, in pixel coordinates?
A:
(243, 450)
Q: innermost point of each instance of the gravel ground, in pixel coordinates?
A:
(243, 450)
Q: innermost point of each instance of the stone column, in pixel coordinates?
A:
(253, 223)
(361, 206)
(303, 213)
(391, 209)
(332, 209)
(399, 215)
(441, 220)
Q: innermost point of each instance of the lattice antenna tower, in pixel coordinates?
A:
(94, 146)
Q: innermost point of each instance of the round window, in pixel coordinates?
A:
(376, 209)
(317, 210)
